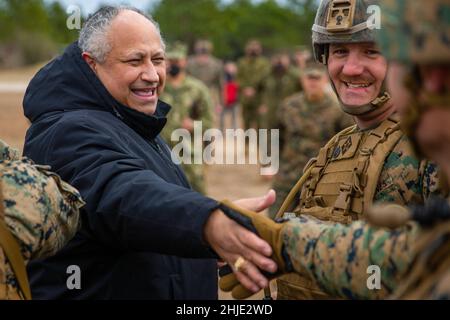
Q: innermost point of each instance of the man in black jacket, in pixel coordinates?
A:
(145, 234)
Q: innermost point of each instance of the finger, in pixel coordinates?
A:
(247, 282)
(257, 203)
(253, 242)
(240, 292)
(254, 274)
(228, 282)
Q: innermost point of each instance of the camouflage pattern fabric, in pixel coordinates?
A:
(415, 33)
(41, 211)
(191, 100)
(337, 256)
(251, 73)
(210, 72)
(307, 127)
(276, 88)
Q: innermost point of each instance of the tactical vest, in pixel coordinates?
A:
(340, 187)
(12, 253)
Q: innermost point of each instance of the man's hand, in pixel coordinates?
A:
(231, 241)
(188, 124)
(249, 92)
(265, 228)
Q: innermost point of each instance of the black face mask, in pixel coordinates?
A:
(254, 53)
(228, 77)
(174, 70)
(279, 68)
(202, 51)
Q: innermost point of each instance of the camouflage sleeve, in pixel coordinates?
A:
(430, 179)
(205, 105)
(220, 81)
(41, 210)
(240, 76)
(8, 153)
(337, 256)
(288, 114)
(405, 179)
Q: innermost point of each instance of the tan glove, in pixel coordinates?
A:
(266, 229)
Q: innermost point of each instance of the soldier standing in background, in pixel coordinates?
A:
(252, 70)
(39, 214)
(205, 67)
(281, 82)
(309, 119)
(191, 101)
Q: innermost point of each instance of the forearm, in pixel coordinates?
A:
(337, 256)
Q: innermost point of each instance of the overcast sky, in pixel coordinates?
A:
(88, 7)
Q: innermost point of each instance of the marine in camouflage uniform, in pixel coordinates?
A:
(252, 70)
(391, 174)
(208, 69)
(307, 125)
(316, 247)
(280, 83)
(190, 101)
(40, 210)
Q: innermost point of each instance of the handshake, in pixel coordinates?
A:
(266, 229)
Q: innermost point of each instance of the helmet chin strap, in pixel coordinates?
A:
(375, 104)
(364, 109)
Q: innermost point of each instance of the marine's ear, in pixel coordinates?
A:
(90, 61)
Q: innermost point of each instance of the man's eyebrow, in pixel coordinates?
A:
(159, 52)
(137, 54)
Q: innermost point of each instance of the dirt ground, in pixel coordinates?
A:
(222, 181)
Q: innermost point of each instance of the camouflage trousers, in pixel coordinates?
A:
(250, 116)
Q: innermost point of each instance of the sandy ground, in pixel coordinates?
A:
(222, 181)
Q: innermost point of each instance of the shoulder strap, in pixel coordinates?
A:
(380, 143)
(12, 251)
(298, 186)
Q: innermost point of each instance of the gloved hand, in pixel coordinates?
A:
(266, 229)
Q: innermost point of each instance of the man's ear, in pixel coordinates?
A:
(90, 61)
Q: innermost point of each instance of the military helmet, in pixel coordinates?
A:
(176, 50)
(203, 46)
(415, 32)
(341, 21)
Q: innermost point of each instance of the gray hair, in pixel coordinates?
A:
(94, 34)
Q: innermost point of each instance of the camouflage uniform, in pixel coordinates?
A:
(307, 127)
(191, 99)
(337, 256)
(276, 88)
(251, 73)
(210, 73)
(41, 211)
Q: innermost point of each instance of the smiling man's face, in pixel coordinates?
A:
(357, 71)
(134, 71)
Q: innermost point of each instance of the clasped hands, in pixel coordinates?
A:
(248, 242)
